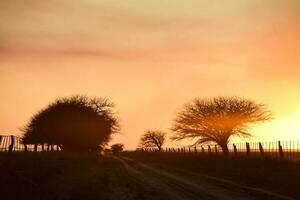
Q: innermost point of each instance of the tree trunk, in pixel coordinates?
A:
(225, 149)
(159, 148)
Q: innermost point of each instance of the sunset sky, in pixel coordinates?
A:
(151, 57)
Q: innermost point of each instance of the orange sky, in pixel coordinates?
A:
(150, 57)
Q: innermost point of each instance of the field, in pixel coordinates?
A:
(272, 175)
(60, 176)
(143, 176)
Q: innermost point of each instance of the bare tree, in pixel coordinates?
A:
(216, 120)
(153, 139)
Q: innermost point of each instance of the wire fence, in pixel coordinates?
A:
(289, 150)
(281, 149)
(10, 143)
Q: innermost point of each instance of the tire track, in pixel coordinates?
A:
(175, 187)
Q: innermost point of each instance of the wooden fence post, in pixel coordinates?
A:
(261, 149)
(280, 150)
(209, 149)
(48, 147)
(195, 149)
(189, 149)
(216, 149)
(202, 150)
(12, 143)
(235, 150)
(248, 148)
(35, 147)
(0, 142)
(25, 147)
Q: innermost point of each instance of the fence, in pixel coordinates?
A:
(289, 150)
(282, 149)
(14, 144)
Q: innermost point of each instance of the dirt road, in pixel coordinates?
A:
(180, 185)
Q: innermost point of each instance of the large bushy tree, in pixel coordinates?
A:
(216, 120)
(77, 123)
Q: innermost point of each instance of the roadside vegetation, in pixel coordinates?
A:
(76, 123)
(62, 175)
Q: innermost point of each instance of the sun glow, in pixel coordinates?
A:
(151, 61)
(286, 128)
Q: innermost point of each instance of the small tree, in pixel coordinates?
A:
(216, 120)
(153, 139)
(117, 148)
(77, 123)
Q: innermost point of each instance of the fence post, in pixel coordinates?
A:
(195, 149)
(0, 142)
(234, 150)
(12, 143)
(202, 150)
(189, 149)
(216, 149)
(25, 147)
(261, 149)
(248, 148)
(280, 150)
(35, 147)
(209, 149)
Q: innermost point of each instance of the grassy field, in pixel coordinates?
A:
(64, 176)
(282, 177)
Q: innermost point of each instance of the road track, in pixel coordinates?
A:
(177, 186)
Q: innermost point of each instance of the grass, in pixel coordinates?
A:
(65, 176)
(278, 176)
(62, 176)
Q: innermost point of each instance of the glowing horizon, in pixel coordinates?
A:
(151, 57)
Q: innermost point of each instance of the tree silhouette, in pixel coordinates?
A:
(77, 123)
(216, 120)
(152, 139)
(117, 148)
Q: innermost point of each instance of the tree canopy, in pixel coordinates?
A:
(117, 148)
(216, 120)
(153, 139)
(76, 123)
